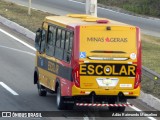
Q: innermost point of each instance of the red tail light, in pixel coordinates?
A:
(138, 78)
(76, 77)
(139, 62)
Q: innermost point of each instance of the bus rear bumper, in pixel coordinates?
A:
(105, 92)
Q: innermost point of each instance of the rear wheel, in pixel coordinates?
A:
(69, 106)
(41, 89)
(122, 101)
(112, 101)
(117, 109)
(121, 109)
(60, 99)
(62, 103)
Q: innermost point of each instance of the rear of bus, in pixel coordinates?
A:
(109, 61)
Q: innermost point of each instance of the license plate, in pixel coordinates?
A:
(107, 82)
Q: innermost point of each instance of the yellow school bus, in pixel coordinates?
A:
(88, 61)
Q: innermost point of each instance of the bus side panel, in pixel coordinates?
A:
(64, 77)
(75, 57)
(66, 87)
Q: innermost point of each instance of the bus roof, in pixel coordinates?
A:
(81, 19)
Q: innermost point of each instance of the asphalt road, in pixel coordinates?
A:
(16, 72)
(62, 7)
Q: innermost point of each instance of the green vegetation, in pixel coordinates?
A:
(150, 87)
(19, 14)
(150, 59)
(150, 52)
(144, 7)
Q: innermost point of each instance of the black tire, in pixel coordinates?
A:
(60, 99)
(113, 109)
(116, 109)
(69, 106)
(121, 109)
(123, 101)
(41, 90)
(112, 101)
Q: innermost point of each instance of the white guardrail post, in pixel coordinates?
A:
(29, 7)
(91, 7)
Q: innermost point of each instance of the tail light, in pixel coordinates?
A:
(138, 78)
(76, 77)
(139, 62)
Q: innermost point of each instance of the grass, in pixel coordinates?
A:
(150, 87)
(150, 59)
(150, 52)
(144, 7)
(151, 39)
(19, 14)
(150, 44)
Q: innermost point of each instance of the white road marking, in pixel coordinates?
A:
(85, 118)
(76, 1)
(137, 109)
(1, 46)
(17, 39)
(8, 88)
